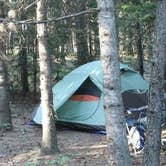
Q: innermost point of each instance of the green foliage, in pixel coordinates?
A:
(143, 11)
(60, 36)
(135, 18)
(6, 126)
(91, 4)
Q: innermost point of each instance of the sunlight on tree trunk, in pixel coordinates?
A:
(49, 139)
(117, 145)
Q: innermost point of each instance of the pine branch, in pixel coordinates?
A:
(31, 5)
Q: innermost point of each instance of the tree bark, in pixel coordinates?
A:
(5, 116)
(23, 58)
(139, 35)
(117, 145)
(153, 139)
(81, 35)
(49, 139)
(140, 56)
(35, 68)
(24, 71)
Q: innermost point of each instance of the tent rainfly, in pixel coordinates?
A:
(78, 97)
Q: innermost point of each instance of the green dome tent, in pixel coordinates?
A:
(78, 97)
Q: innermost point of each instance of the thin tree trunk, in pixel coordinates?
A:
(89, 40)
(24, 71)
(140, 49)
(153, 139)
(81, 35)
(49, 139)
(73, 39)
(117, 145)
(35, 68)
(23, 58)
(5, 116)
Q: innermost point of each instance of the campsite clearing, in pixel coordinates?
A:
(20, 146)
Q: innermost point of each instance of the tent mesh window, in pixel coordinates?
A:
(88, 88)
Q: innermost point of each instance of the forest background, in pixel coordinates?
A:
(74, 41)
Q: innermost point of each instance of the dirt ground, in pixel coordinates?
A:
(20, 147)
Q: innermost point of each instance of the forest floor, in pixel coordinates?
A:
(20, 147)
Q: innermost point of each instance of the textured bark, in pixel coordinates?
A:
(153, 139)
(117, 145)
(35, 68)
(49, 140)
(140, 56)
(23, 58)
(24, 71)
(5, 118)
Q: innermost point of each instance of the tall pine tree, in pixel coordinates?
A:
(49, 139)
(117, 144)
(154, 115)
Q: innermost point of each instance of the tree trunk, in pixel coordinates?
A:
(117, 145)
(81, 35)
(73, 39)
(24, 71)
(153, 139)
(23, 58)
(49, 139)
(140, 56)
(5, 117)
(35, 68)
